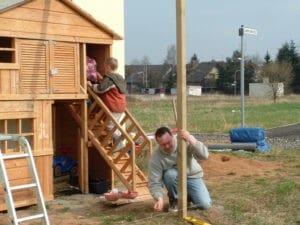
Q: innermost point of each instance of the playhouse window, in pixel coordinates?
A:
(7, 50)
(23, 127)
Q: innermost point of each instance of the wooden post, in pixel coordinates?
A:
(181, 105)
(84, 151)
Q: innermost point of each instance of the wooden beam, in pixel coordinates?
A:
(181, 105)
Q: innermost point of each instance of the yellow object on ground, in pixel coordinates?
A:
(195, 221)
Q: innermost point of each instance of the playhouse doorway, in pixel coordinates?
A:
(69, 156)
(67, 149)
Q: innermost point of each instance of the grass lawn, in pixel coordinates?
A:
(215, 113)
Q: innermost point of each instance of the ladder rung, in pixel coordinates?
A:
(23, 186)
(15, 156)
(31, 217)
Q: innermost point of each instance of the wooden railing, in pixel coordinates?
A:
(120, 153)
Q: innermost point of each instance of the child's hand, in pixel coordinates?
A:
(89, 83)
(99, 77)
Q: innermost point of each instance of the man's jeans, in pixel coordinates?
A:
(196, 189)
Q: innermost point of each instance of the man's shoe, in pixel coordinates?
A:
(191, 205)
(173, 206)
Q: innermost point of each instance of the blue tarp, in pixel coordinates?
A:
(248, 135)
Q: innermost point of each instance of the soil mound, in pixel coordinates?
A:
(222, 167)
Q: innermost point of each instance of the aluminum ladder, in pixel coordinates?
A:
(8, 190)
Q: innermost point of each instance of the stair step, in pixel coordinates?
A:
(142, 184)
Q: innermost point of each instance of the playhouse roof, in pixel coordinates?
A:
(10, 4)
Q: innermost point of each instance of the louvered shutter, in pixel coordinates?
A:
(64, 67)
(34, 66)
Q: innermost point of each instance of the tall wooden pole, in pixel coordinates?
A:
(181, 105)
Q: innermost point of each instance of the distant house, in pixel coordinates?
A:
(146, 76)
(266, 89)
(157, 76)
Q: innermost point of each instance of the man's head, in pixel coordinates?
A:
(164, 139)
(111, 64)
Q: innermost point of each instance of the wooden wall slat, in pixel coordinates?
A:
(16, 115)
(49, 28)
(37, 15)
(16, 106)
(57, 37)
(5, 81)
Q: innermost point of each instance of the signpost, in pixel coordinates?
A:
(244, 30)
(250, 31)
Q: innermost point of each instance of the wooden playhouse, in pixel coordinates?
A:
(44, 45)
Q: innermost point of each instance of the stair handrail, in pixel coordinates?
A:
(124, 133)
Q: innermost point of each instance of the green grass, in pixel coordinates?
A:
(216, 113)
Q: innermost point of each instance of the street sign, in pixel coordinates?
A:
(250, 31)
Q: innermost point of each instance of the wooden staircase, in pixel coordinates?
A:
(122, 159)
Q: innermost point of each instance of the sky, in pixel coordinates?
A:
(211, 28)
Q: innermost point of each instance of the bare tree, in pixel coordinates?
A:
(145, 60)
(171, 55)
(276, 73)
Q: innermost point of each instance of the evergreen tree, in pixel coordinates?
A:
(227, 73)
(267, 58)
(288, 53)
(194, 60)
(249, 75)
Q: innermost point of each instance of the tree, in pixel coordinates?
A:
(222, 79)
(267, 58)
(277, 72)
(288, 53)
(194, 60)
(135, 62)
(145, 60)
(228, 73)
(171, 61)
(171, 55)
(249, 74)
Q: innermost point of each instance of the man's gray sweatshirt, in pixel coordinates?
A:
(161, 161)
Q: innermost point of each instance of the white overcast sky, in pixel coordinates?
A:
(211, 27)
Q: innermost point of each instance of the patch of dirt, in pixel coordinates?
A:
(222, 168)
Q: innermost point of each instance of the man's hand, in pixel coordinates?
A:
(187, 136)
(158, 205)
